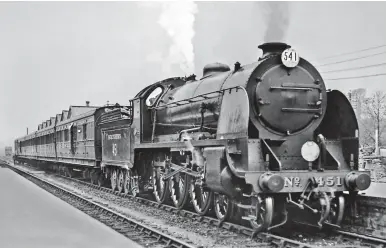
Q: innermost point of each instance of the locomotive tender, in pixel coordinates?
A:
(257, 139)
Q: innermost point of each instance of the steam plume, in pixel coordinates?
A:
(277, 18)
(177, 19)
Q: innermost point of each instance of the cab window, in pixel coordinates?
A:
(153, 96)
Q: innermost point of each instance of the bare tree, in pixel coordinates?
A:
(357, 100)
(374, 109)
(366, 131)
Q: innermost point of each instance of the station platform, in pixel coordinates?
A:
(31, 217)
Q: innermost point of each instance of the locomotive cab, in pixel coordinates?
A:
(146, 102)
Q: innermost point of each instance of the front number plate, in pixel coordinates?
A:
(322, 181)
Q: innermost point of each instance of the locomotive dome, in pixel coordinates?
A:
(209, 69)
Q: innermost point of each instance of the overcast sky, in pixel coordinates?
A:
(57, 54)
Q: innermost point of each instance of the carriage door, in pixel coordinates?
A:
(74, 134)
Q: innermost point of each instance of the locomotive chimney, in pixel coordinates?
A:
(271, 48)
(87, 103)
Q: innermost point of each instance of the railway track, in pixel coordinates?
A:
(344, 239)
(357, 240)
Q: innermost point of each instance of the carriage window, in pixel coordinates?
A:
(74, 133)
(85, 131)
(66, 134)
(153, 96)
(58, 138)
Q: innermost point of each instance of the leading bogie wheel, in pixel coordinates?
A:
(336, 210)
(262, 215)
(223, 207)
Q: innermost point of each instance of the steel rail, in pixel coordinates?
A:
(368, 239)
(132, 229)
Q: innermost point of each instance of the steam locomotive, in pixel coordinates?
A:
(256, 140)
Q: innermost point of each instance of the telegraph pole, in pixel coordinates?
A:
(376, 142)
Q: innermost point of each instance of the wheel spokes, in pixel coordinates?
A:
(337, 210)
(121, 181)
(223, 207)
(202, 199)
(113, 179)
(179, 190)
(127, 182)
(263, 214)
(134, 184)
(161, 191)
(325, 207)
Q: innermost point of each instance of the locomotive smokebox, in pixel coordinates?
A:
(273, 48)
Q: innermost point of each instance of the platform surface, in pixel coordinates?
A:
(30, 217)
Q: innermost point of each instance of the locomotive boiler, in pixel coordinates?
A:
(250, 143)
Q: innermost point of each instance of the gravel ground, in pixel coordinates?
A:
(313, 236)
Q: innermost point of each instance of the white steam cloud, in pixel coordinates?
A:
(277, 17)
(177, 18)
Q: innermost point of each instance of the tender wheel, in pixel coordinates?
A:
(69, 172)
(336, 211)
(101, 179)
(223, 207)
(202, 199)
(85, 174)
(93, 177)
(130, 185)
(161, 187)
(134, 184)
(113, 179)
(127, 183)
(179, 190)
(263, 214)
(121, 180)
